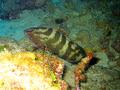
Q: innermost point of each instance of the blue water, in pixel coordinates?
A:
(28, 18)
(15, 28)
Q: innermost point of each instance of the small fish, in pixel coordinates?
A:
(57, 42)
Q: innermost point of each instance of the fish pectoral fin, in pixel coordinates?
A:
(63, 31)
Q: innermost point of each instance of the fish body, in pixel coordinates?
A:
(57, 42)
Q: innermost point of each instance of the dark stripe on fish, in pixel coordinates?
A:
(48, 32)
(68, 51)
(55, 39)
(62, 43)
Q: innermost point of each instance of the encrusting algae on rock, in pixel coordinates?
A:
(30, 71)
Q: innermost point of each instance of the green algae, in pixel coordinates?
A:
(2, 47)
(53, 76)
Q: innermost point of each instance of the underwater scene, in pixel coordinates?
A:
(59, 44)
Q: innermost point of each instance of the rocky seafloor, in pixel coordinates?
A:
(94, 26)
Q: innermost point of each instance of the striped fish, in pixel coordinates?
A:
(57, 42)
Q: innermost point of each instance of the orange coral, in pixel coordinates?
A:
(79, 76)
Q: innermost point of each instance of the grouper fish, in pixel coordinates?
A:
(59, 44)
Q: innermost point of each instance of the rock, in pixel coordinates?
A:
(10, 44)
(11, 9)
(30, 70)
(100, 78)
(116, 44)
(69, 75)
(103, 59)
(26, 44)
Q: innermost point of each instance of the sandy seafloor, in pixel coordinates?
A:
(81, 28)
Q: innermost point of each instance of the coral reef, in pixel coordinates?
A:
(101, 78)
(10, 44)
(116, 43)
(74, 4)
(11, 9)
(93, 24)
(30, 71)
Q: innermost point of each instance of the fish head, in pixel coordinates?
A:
(37, 35)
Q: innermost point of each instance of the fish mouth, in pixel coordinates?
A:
(28, 31)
